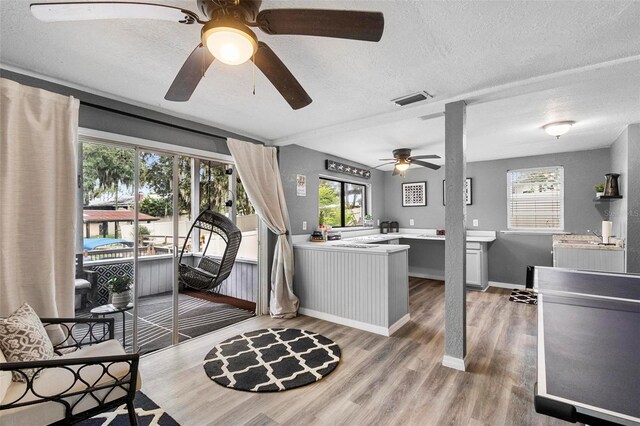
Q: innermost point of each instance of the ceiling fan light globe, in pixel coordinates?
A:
(228, 44)
(402, 166)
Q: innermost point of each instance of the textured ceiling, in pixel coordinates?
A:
(518, 64)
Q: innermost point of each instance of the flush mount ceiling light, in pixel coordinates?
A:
(558, 128)
(229, 41)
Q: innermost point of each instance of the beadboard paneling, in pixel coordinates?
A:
(353, 285)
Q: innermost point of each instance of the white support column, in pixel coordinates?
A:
(455, 347)
(195, 202)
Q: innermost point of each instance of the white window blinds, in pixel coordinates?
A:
(535, 198)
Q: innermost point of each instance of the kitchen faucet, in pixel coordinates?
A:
(595, 233)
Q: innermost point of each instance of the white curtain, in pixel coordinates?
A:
(38, 137)
(258, 169)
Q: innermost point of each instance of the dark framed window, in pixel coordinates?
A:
(341, 204)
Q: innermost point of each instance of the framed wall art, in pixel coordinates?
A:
(467, 192)
(414, 194)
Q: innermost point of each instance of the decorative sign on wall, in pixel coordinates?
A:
(467, 192)
(301, 185)
(414, 194)
(334, 166)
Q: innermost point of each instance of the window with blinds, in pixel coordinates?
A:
(535, 199)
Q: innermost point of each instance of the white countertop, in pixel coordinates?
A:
(352, 246)
(364, 240)
(587, 242)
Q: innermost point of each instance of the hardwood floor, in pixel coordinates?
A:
(396, 380)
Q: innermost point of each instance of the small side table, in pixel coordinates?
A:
(110, 309)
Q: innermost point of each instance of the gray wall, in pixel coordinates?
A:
(633, 200)
(510, 253)
(108, 115)
(296, 160)
(617, 209)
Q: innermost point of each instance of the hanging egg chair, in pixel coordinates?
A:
(210, 271)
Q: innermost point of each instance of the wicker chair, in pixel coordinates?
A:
(92, 374)
(211, 271)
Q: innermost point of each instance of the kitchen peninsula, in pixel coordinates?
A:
(362, 281)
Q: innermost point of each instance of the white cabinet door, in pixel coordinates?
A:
(474, 267)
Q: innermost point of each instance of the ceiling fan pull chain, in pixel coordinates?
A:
(253, 68)
(204, 60)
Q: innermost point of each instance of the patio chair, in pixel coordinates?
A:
(93, 374)
(211, 271)
(86, 282)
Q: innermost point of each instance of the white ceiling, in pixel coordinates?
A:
(519, 65)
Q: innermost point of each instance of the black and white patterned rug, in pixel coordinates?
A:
(523, 296)
(272, 360)
(148, 414)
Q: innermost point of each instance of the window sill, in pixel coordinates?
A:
(534, 232)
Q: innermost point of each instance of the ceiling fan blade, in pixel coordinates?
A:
(190, 75)
(425, 164)
(353, 25)
(387, 159)
(280, 76)
(417, 157)
(383, 164)
(88, 11)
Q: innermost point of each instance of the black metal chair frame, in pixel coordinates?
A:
(87, 295)
(210, 271)
(91, 331)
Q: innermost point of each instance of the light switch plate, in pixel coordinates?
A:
(475, 222)
(304, 225)
(411, 222)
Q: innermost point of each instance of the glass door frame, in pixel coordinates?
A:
(147, 145)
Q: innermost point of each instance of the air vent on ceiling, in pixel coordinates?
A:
(412, 98)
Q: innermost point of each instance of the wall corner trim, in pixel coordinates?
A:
(455, 363)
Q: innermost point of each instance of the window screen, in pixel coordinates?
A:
(535, 198)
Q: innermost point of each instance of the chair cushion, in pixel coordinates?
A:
(82, 283)
(23, 338)
(57, 380)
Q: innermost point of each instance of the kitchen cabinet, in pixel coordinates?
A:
(477, 266)
(605, 259)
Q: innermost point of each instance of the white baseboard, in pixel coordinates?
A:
(506, 285)
(398, 324)
(377, 329)
(426, 276)
(455, 363)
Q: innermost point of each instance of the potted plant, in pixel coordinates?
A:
(600, 189)
(119, 290)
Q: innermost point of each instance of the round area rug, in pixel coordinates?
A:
(272, 360)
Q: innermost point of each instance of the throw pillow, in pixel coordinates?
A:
(23, 338)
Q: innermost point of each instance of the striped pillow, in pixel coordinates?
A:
(23, 338)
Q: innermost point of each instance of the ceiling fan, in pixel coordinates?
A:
(226, 34)
(402, 159)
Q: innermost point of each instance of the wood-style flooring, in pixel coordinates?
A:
(396, 380)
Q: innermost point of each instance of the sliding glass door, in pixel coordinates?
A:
(138, 206)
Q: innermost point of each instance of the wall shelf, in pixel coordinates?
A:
(603, 198)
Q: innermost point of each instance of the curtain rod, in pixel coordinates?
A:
(151, 120)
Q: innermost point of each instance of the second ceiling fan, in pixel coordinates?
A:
(226, 35)
(402, 159)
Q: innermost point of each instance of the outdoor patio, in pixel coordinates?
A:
(198, 312)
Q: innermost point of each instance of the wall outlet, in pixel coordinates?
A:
(411, 222)
(475, 222)
(378, 222)
(304, 225)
